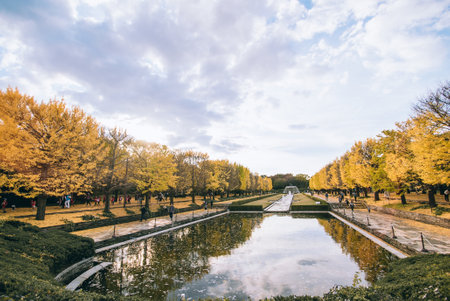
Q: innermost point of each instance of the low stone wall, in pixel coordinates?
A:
(428, 219)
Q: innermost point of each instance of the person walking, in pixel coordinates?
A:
(352, 206)
(33, 204)
(171, 211)
(4, 204)
(446, 193)
(326, 196)
(143, 213)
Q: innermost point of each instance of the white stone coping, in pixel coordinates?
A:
(66, 273)
(77, 282)
(114, 246)
(372, 237)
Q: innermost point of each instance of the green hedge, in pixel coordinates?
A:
(310, 207)
(236, 203)
(246, 208)
(30, 257)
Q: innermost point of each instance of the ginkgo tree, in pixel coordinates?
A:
(416, 153)
(52, 149)
(112, 171)
(153, 168)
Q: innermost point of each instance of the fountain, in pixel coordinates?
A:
(291, 189)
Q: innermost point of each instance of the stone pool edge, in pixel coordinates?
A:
(391, 249)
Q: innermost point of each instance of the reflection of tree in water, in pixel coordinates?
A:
(165, 262)
(371, 258)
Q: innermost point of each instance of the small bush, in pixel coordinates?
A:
(89, 217)
(70, 225)
(108, 214)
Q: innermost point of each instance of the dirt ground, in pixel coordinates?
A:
(413, 205)
(75, 213)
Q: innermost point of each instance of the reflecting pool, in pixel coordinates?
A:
(241, 256)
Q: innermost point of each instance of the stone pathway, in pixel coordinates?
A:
(407, 232)
(282, 205)
(107, 232)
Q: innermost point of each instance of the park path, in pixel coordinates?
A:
(107, 232)
(282, 205)
(406, 231)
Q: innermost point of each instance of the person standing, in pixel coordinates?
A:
(326, 196)
(352, 206)
(67, 203)
(446, 193)
(33, 204)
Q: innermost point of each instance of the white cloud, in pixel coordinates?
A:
(232, 77)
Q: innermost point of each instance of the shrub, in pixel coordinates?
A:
(89, 217)
(108, 214)
(70, 225)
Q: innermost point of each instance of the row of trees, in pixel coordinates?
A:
(51, 150)
(280, 181)
(414, 154)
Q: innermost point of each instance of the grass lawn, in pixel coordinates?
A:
(301, 199)
(302, 202)
(264, 202)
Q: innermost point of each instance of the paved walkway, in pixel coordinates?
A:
(407, 232)
(282, 205)
(107, 232)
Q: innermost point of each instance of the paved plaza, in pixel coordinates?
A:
(107, 232)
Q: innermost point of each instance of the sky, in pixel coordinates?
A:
(279, 86)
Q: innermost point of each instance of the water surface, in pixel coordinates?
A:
(243, 256)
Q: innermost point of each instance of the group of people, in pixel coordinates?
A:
(145, 212)
(4, 204)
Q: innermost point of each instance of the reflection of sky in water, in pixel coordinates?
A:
(284, 256)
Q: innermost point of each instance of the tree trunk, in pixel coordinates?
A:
(431, 198)
(377, 195)
(403, 198)
(148, 200)
(125, 200)
(107, 204)
(193, 196)
(41, 204)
